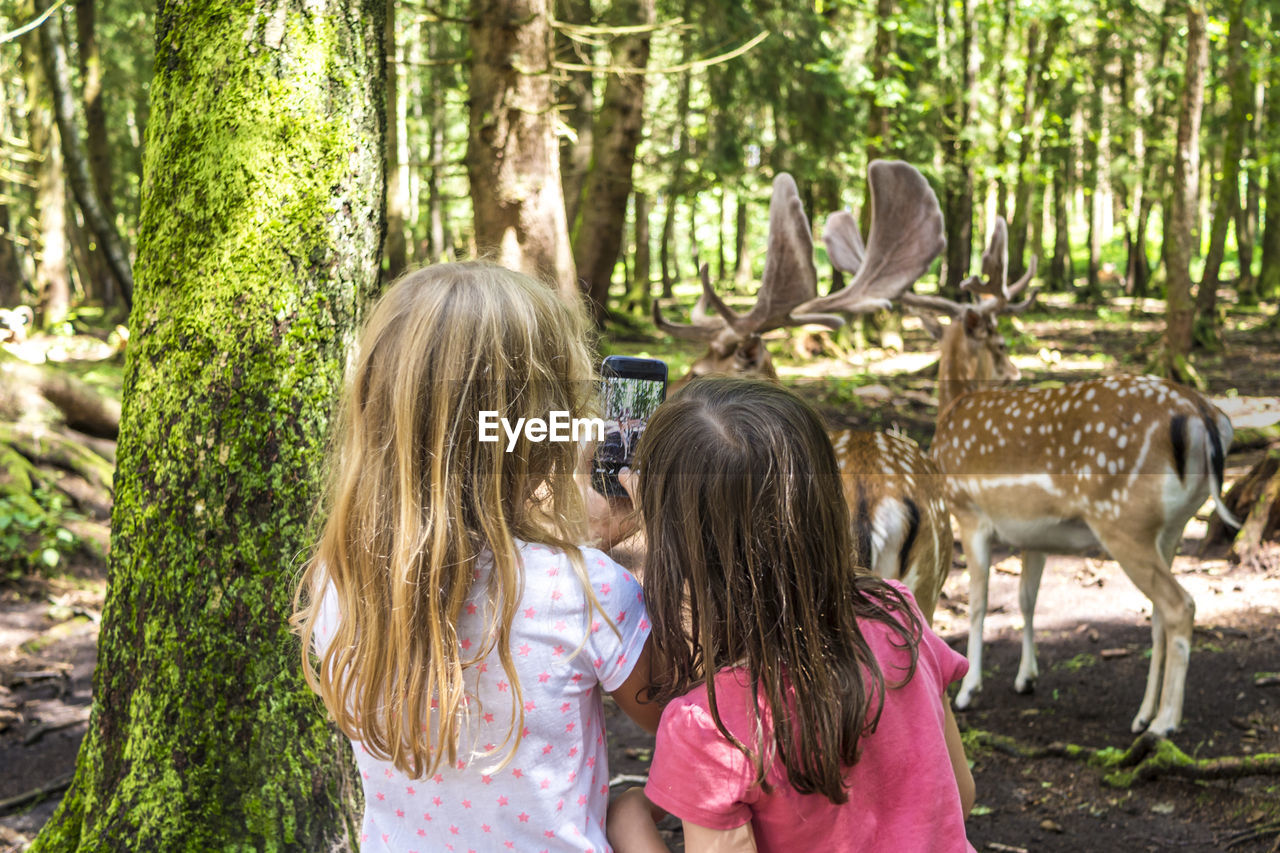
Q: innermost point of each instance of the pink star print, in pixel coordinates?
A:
(544, 677)
(525, 648)
(622, 616)
(437, 801)
(466, 804)
(487, 779)
(558, 650)
(471, 608)
(556, 596)
(399, 812)
(604, 587)
(524, 818)
(529, 706)
(644, 624)
(546, 750)
(410, 790)
(502, 801)
(529, 612)
(517, 773)
(561, 625)
(502, 685)
(484, 827)
(381, 796)
(488, 718)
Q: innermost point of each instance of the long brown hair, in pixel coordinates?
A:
(750, 565)
(415, 498)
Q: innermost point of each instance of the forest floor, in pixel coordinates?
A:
(1092, 628)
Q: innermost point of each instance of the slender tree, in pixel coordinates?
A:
(614, 139)
(395, 251)
(260, 236)
(1181, 206)
(1226, 201)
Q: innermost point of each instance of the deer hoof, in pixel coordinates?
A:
(1025, 685)
(964, 699)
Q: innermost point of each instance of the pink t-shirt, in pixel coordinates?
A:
(902, 791)
(553, 794)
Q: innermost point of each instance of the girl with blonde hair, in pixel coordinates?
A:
(461, 637)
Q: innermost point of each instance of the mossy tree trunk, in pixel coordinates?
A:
(260, 238)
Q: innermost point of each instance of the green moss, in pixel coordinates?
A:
(259, 242)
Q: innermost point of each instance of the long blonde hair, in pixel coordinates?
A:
(415, 498)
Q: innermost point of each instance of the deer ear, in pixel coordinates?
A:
(972, 321)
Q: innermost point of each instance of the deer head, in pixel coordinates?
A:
(974, 353)
(906, 226)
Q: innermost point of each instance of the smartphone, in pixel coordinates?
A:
(630, 390)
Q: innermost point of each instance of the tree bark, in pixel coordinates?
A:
(1037, 90)
(1182, 204)
(614, 140)
(959, 190)
(52, 273)
(641, 283)
(578, 93)
(438, 240)
(260, 238)
(1226, 202)
(512, 158)
(98, 281)
(1269, 272)
(58, 74)
(395, 252)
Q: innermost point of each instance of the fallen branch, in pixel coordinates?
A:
(1149, 757)
(37, 793)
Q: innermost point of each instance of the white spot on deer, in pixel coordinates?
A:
(1075, 439)
(1112, 432)
(1102, 459)
(1088, 395)
(1112, 467)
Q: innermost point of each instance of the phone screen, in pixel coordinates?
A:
(631, 389)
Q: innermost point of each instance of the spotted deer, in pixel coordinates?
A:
(902, 529)
(1119, 463)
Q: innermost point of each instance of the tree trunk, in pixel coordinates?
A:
(52, 274)
(395, 252)
(1247, 217)
(512, 158)
(1037, 89)
(1181, 207)
(877, 132)
(438, 240)
(959, 190)
(614, 140)
(257, 250)
(1226, 203)
(578, 93)
(641, 289)
(741, 260)
(1093, 147)
(58, 74)
(1000, 145)
(1269, 272)
(97, 281)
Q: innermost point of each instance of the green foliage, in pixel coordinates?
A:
(33, 538)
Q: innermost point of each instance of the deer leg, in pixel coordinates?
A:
(1173, 613)
(1151, 696)
(977, 556)
(1028, 588)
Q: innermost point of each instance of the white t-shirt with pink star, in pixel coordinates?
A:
(552, 795)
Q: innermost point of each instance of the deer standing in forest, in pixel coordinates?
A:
(1120, 463)
(901, 526)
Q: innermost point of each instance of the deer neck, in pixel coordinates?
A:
(956, 373)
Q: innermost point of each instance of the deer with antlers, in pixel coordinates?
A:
(894, 491)
(1120, 463)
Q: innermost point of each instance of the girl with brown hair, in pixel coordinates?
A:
(457, 633)
(807, 707)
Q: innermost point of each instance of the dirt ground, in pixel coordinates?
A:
(1092, 628)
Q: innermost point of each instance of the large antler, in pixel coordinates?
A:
(790, 278)
(995, 266)
(906, 235)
